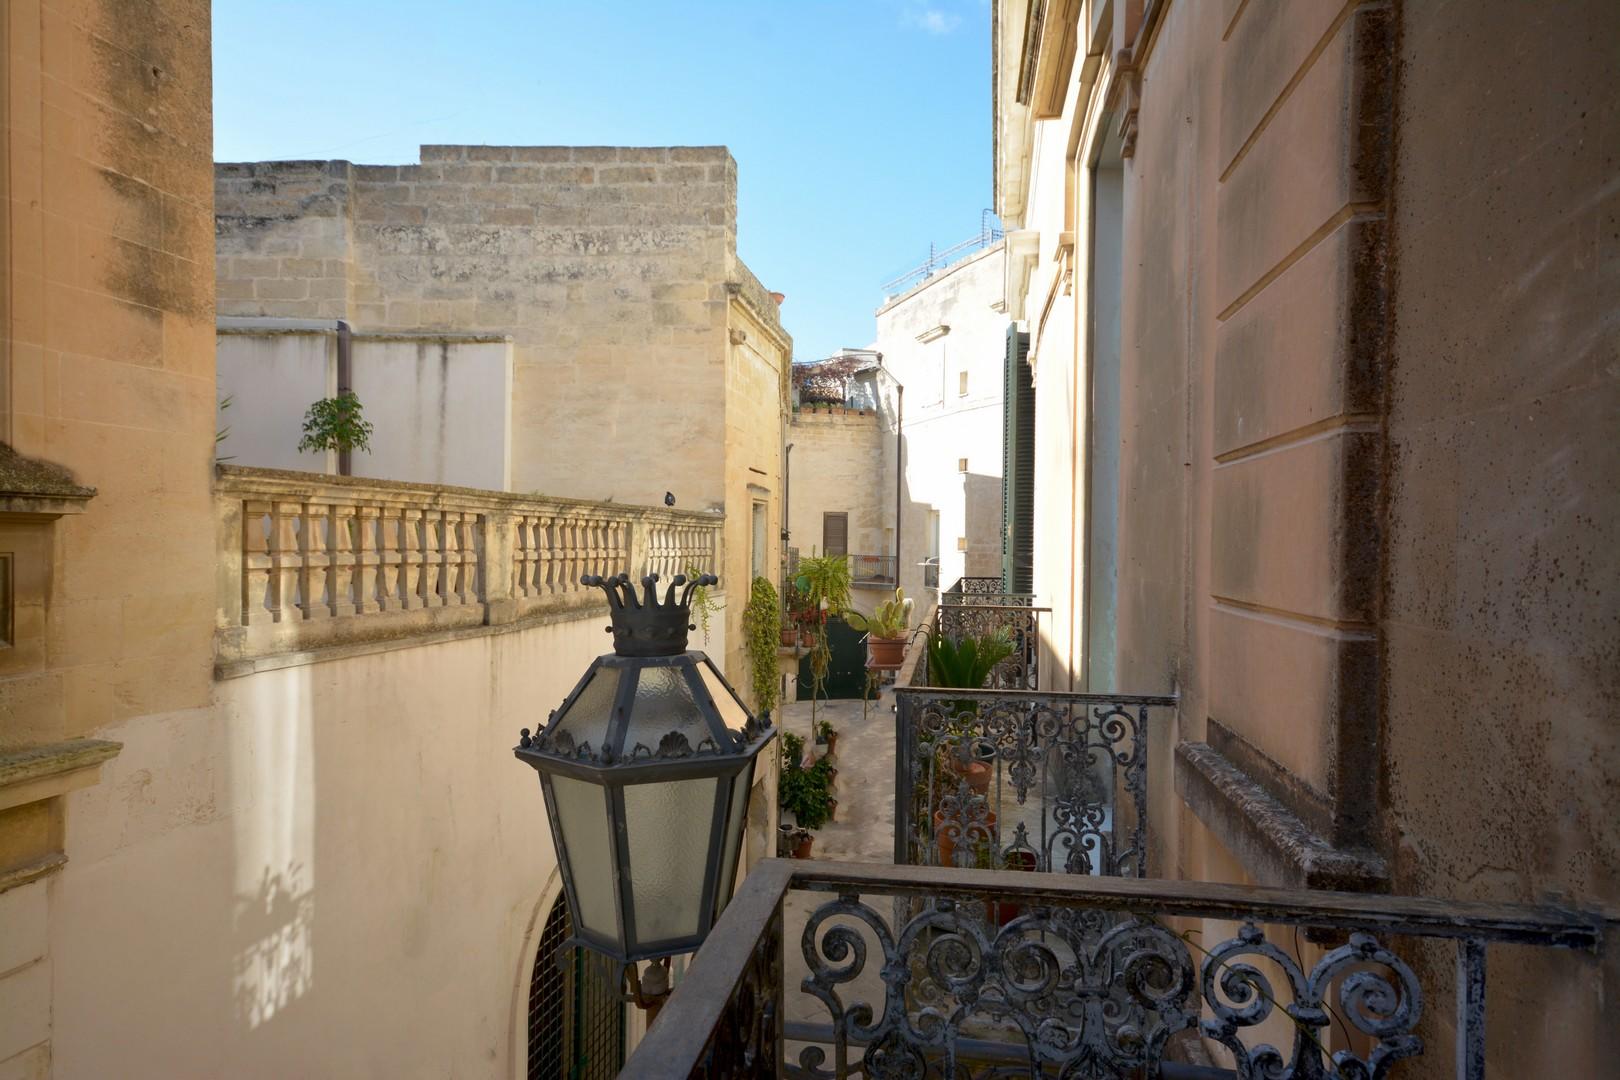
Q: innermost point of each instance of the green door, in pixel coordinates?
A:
(846, 670)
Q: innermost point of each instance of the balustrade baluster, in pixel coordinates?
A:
(286, 561)
(472, 578)
(256, 564)
(410, 558)
(340, 560)
(365, 560)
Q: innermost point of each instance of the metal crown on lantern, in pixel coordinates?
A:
(646, 769)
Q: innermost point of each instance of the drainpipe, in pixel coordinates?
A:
(788, 473)
(345, 376)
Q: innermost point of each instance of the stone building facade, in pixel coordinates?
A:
(258, 810)
(1320, 346)
(612, 270)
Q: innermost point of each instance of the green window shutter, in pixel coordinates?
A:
(1017, 467)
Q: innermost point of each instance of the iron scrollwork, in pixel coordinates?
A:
(1083, 993)
(1043, 782)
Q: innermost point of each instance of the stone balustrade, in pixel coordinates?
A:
(311, 561)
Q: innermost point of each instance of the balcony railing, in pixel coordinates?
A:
(310, 561)
(1023, 780)
(1021, 620)
(873, 569)
(887, 971)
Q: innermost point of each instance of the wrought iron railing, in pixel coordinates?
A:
(1023, 780)
(873, 569)
(977, 586)
(900, 971)
(1021, 621)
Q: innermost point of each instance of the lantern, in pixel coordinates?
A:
(646, 769)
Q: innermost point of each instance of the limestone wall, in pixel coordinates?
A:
(605, 265)
(1359, 459)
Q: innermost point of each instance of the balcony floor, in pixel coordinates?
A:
(863, 831)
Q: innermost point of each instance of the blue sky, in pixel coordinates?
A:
(861, 128)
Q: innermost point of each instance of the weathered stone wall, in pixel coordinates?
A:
(1501, 624)
(106, 369)
(1366, 462)
(606, 265)
(840, 466)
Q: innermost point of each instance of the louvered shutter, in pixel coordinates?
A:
(1018, 468)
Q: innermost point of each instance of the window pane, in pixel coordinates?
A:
(664, 703)
(669, 826)
(582, 814)
(586, 720)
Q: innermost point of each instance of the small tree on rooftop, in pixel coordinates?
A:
(336, 423)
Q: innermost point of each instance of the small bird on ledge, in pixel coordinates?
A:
(669, 498)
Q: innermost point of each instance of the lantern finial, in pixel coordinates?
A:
(642, 626)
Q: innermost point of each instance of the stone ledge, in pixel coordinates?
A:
(1271, 842)
(16, 876)
(251, 665)
(37, 773)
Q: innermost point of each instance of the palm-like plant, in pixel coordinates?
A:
(966, 663)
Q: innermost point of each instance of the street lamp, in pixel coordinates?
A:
(646, 769)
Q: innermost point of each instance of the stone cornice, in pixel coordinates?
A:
(36, 773)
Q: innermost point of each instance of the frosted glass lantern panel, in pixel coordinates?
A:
(664, 703)
(582, 815)
(669, 826)
(586, 720)
(732, 715)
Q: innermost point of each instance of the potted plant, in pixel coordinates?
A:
(792, 752)
(828, 735)
(947, 842)
(825, 582)
(965, 664)
(802, 841)
(887, 629)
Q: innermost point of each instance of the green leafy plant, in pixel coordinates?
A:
(965, 663)
(702, 603)
(336, 423)
(762, 621)
(825, 582)
(823, 730)
(807, 791)
(792, 749)
(891, 619)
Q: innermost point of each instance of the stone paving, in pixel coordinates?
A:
(862, 832)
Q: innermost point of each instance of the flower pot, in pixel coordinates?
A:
(807, 639)
(832, 809)
(1002, 912)
(832, 744)
(790, 637)
(886, 652)
(947, 843)
(801, 846)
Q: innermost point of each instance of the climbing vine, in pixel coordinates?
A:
(702, 602)
(762, 629)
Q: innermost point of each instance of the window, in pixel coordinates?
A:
(576, 1020)
(961, 384)
(961, 543)
(758, 563)
(835, 534)
(961, 464)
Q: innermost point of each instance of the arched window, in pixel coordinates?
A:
(576, 1018)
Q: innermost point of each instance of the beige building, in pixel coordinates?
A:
(930, 390)
(259, 814)
(1322, 351)
(608, 275)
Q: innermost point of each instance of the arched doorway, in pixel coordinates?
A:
(576, 1018)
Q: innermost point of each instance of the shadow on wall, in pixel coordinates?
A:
(981, 496)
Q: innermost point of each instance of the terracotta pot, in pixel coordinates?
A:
(801, 848)
(790, 637)
(832, 809)
(806, 639)
(832, 744)
(947, 843)
(886, 652)
(977, 774)
(1003, 912)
